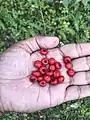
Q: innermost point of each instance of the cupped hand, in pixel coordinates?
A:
(17, 93)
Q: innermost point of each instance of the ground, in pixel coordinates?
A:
(68, 20)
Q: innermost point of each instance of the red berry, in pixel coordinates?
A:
(60, 79)
(49, 73)
(56, 73)
(38, 64)
(44, 51)
(54, 82)
(51, 61)
(42, 83)
(71, 72)
(40, 78)
(67, 59)
(43, 70)
(45, 61)
(52, 67)
(58, 65)
(36, 73)
(47, 78)
(33, 78)
(68, 65)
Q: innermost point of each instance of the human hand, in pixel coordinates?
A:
(17, 93)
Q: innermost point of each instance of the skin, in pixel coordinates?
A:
(18, 94)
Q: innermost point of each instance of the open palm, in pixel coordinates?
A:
(16, 64)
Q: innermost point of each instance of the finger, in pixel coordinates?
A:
(81, 64)
(76, 50)
(38, 42)
(81, 78)
(77, 92)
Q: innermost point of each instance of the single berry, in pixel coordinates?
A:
(45, 61)
(52, 67)
(43, 70)
(42, 83)
(44, 51)
(56, 73)
(51, 61)
(39, 78)
(37, 64)
(67, 59)
(71, 72)
(33, 78)
(49, 73)
(60, 79)
(58, 65)
(47, 78)
(68, 65)
(36, 73)
(54, 82)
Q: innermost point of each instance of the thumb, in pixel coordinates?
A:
(38, 42)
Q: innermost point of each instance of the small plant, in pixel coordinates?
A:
(20, 20)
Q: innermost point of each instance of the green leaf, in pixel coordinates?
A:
(62, 34)
(65, 3)
(32, 33)
(76, 25)
(77, 1)
(2, 25)
(69, 1)
(35, 26)
(70, 31)
(85, 2)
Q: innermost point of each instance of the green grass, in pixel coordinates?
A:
(21, 19)
(62, 112)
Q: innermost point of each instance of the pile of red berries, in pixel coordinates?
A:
(48, 70)
(68, 64)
